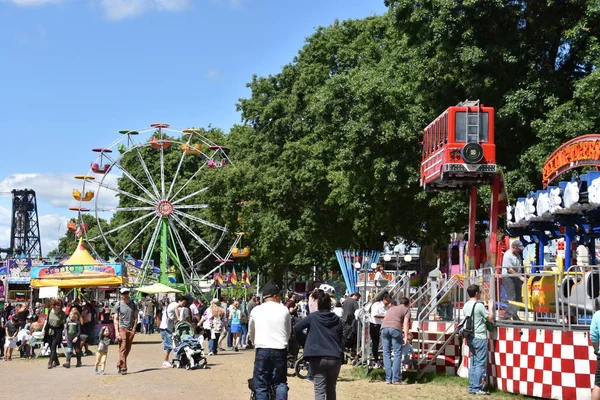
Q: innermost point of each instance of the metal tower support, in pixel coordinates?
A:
(25, 229)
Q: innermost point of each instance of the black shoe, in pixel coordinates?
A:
(67, 365)
(118, 369)
(50, 366)
(123, 372)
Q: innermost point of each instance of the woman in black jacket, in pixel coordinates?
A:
(322, 344)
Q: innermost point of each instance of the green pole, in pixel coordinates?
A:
(164, 256)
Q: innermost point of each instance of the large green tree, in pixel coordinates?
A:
(329, 149)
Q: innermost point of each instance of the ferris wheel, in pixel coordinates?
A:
(154, 186)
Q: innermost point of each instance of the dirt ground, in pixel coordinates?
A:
(225, 379)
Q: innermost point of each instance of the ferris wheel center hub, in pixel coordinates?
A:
(165, 208)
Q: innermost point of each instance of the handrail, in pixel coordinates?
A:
(421, 371)
(441, 294)
(452, 283)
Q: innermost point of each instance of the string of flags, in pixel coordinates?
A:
(231, 278)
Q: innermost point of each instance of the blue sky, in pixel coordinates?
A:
(74, 72)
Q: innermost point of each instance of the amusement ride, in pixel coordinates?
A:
(160, 177)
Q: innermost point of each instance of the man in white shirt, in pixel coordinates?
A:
(269, 330)
(378, 310)
(511, 265)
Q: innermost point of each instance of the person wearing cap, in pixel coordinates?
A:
(512, 264)
(125, 319)
(269, 329)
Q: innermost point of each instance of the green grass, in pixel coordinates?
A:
(360, 373)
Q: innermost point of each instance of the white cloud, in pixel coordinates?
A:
(52, 227)
(211, 74)
(57, 189)
(116, 10)
(31, 3)
(54, 190)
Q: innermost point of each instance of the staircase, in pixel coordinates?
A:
(437, 314)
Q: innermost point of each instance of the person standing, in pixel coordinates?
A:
(149, 315)
(269, 330)
(236, 324)
(478, 341)
(73, 338)
(512, 264)
(322, 346)
(125, 318)
(252, 303)
(594, 339)
(53, 327)
(394, 328)
(378, 310)
(166, 327)
(350, 306)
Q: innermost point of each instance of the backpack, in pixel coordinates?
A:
(466, 327)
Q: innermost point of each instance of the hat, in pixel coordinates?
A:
(124, 290)
(328, 289)
(271, 290)
(517, 243)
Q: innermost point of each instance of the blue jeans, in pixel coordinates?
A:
(167, 338)
(392, 340)
(149, 324)
(478, 363)
(244, 334)
(270, 369)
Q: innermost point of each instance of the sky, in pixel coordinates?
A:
(75, 72)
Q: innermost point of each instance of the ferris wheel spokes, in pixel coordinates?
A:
(178, 168)
(135, 181)
(121, 191)
(147, 172)
(204, 189)
(181, 245)
(191, 206)
(200, 220)
(189, 180)
(114, 209)
(118, 228)
(194, 235)
(150, 250)
(138, 235)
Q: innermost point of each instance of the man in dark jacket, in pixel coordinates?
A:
(322, 346)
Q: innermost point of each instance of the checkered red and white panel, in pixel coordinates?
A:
(447, 361)
(550, 364)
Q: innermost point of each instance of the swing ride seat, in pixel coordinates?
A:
(216, 164)
(89, 195)
(191, 148)
(240, 252)
(100, 170)
(159, 143)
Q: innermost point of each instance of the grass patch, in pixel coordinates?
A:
(361, 373)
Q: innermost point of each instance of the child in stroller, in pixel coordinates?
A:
(189, 350)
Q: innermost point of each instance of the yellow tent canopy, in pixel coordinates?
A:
(80, 270)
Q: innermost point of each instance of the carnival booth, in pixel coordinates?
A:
(81, 270)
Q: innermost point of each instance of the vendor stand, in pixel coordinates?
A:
(81, 270)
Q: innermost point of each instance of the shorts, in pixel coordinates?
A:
(167, 338)
(236, 328)
(12, 343)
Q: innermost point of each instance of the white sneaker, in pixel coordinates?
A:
(211, 353)
(166, 364)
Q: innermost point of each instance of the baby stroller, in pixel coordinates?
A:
(188, 351)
